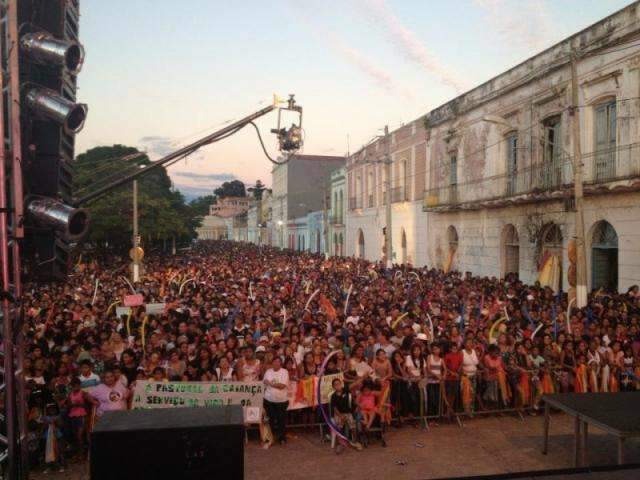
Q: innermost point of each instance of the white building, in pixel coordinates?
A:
(497, 164)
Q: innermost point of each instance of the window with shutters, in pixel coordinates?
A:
(453, 179)
(605, 141)
(551, 174)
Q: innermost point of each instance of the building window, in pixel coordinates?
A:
(604, 257)
(605, 141)
(551, 157)
(453, 179)
(512, 163)
(453, 171)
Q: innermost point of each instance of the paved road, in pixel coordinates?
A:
(484, 446)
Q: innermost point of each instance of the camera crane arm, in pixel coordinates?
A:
(178, 154)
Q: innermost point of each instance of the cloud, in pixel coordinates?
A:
(506, 17)
(157, 146)
(352, 56)
(207, 177)
(408, 44)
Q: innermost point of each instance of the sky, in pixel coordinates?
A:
(159, 74)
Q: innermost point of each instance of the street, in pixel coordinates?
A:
(484, 446)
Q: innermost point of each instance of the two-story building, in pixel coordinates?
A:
(485, 182)
(501, 164)
(403, 154)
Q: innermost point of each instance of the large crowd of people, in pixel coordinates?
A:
(411, 342)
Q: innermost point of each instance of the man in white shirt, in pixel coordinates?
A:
(276, 401)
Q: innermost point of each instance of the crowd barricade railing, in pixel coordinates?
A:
(518, 394)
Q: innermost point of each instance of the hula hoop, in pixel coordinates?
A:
(95, 291)
(183, 284)
(328, 420)
(111, 306)
(306, 307)
(346, 302)
(569, 315)
(393, 326)
(535, 332)
(493, 327)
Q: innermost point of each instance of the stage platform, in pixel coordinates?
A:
(615, 413)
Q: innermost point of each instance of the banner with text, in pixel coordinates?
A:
(201, 394)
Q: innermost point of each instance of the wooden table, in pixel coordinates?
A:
(616, 413)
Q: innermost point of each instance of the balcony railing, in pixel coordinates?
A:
(398, 194)
(600, 167)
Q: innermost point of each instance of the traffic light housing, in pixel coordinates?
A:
(50, 58)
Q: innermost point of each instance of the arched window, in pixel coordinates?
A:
(452, 242)
(452, 239)
(341, 208)
(604, 257)
(551, 259)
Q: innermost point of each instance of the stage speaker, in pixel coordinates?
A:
(176, 443)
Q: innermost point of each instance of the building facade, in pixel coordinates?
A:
(485, 182)
(502, 164)
(337, 212)
(403, 154)
(299, 186)
(220, 224)
(212, 228)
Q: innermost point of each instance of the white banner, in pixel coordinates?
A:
(201, 394)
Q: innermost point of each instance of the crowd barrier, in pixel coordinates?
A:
(516, 392)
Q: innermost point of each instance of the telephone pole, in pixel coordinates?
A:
(581, 258)
(135, 270)
(387, 163)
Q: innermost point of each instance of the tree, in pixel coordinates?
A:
(234, 188)
(200, 205)
(162, 211)
(257, 189)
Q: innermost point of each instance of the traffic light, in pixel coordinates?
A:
(50, 58)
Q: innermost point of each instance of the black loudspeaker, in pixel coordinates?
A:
(176, 443)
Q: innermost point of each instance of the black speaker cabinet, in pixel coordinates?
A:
(184, 443)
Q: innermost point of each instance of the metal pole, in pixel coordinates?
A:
(7, 321)
(581, 258)
(387, 163)
(135, 271)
